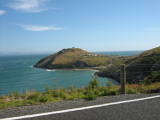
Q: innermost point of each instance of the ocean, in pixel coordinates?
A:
(17, 74)
(121, 53)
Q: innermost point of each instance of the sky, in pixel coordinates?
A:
(45, 26)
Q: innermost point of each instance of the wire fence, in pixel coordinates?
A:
(140, 74)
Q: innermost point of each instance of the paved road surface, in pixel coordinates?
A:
(138, 110)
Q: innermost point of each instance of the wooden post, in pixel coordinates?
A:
(123, 79)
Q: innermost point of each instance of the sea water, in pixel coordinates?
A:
(17, 74)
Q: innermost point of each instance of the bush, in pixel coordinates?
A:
(152, 77)
(33, 96)
(111, 91)
(94, 83)
(131, 91)
(45, 98)
(151, 88)
(90, 95)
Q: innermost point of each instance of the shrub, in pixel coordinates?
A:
(90, 95)
(60, 93)
(45, 98)
(33, 96)
(94, 83)
(55, 93)
(110, 91)
(113, 92)
(151, 88)
(152, 77)
(131, 91)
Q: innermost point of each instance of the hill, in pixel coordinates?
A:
(143, 67)
(75, 58)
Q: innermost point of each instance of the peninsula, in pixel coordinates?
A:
(76, 58)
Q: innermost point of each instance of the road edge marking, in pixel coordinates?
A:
(79, 109)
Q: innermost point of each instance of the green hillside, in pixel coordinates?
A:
(139, 68)
(75, 58)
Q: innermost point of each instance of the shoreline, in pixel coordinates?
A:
(73, 69)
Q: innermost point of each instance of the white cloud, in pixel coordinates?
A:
(2, 12)
(40, 28)
(29, 5)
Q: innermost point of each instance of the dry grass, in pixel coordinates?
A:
(90, 92)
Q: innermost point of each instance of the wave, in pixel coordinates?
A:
(50, 70)
(31, 66)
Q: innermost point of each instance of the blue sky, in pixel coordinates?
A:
(42, 26)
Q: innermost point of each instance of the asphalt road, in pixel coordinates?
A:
(138, 110)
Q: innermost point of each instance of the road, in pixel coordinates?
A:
(127, 107)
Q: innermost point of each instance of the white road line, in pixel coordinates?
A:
(78, 109)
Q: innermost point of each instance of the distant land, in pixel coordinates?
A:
(121, 53)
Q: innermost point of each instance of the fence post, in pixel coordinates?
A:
(123, 79)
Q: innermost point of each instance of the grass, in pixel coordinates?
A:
(90, 92)
(75, 57)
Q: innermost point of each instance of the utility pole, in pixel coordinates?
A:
(123, 79)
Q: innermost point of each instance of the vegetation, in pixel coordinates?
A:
(90, 92)
(144, 67)
(76, 58)
(152, 77)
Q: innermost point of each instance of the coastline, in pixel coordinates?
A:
(73, 69)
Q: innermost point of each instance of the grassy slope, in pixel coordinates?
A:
(90, 92)
(69, 56)
(76, 58)
(137, 67)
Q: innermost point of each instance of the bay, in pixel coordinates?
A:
(17, 74)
